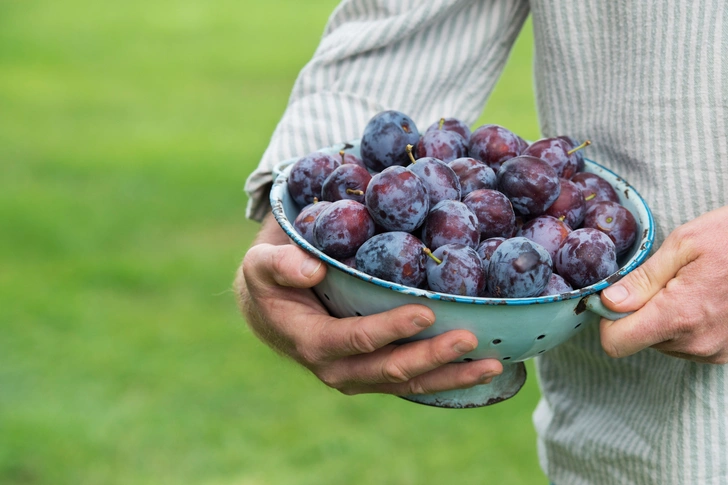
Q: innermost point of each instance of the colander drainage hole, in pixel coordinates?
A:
(497, 341)
(540, 337)
(506, 358)
(578, 325)
(359, 314)
(327, 297)
(468, 360)
(541, 351)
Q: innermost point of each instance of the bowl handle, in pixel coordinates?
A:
(594, 304)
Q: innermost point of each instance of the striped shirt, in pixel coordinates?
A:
(646, 81)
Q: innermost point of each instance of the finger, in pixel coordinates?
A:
(266, 265)
(636, 288)
(400, 363)
(445, 378)
(336, 338)
(650, 325)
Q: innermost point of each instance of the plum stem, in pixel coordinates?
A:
(343, 157)
(429, 253)
(583, 145)
(590, 196)
(354, 192)
(315, 200)
(409, 152)
(442, 123)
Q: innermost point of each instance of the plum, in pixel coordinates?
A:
(441, 182)
(548, 231)
(530, 183)
(494, 213)
(594, 188)
(342, 227)
(348, 181)
(556, 286)
(394, 256)
(307, 176)
(305, 219)
(585, 257)
(555, 151)
(615, 221)
(443, 145)
(519, 268)
(570, 205)
(450, 221)
(493, 145)
(455, 269)
(397, 199)
(473, 175)
(451, 124)
(385, 139)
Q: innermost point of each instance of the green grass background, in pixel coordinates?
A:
(127, 130)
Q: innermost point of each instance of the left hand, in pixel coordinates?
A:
(679, 296)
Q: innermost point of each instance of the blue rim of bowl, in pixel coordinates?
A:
(645, 244)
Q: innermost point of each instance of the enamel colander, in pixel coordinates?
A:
(510, 330)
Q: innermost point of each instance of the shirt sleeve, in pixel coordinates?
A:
(427, 59)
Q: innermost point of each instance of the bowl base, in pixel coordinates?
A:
(500, 388)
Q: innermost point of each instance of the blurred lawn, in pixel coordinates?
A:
(126, 133)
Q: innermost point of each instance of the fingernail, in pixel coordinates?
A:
(463, 347)
(486, 379)
(422, 321)
(310, 267)
(616, 293)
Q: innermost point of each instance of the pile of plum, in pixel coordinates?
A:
(480, 214)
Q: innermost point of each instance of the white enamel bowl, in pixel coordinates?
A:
(511, 330)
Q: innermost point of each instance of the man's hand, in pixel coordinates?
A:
(354, 355)
(679, 296)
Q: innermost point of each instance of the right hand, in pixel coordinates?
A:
(354, 355)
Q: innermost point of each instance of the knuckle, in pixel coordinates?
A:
(416, 386)
(441, 355)
(611, 348)
(331, 379)
(683, 240)
(682, 236)
(334, 379)
(704, 349)
(281, 263)
(348, 391)
(361, 340)
(641, 279)
(251, 257)
(394, 373)
(309, 355)
(472, 377)
(276, 262)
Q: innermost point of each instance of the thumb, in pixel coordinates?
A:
(267, 265)
(638, 287)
